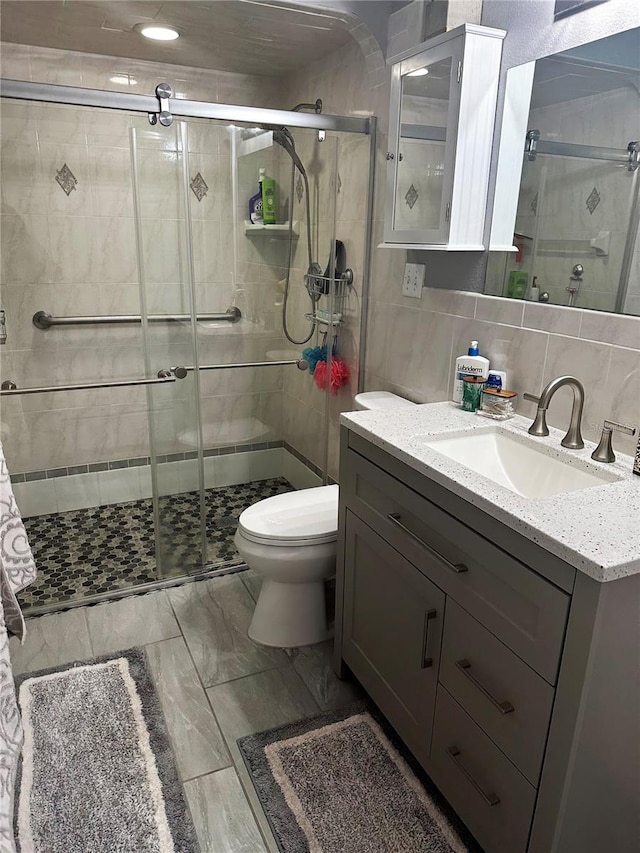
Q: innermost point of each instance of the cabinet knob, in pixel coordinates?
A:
(390, 155)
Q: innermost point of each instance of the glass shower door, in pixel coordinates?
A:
(160, 172)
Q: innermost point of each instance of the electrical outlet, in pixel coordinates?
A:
(413, 280)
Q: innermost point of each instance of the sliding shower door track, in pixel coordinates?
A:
(208, 571)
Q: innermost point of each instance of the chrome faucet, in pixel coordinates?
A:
(573, 438)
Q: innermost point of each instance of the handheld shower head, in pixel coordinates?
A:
(285, 140)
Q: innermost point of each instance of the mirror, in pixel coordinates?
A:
(424, 115)
(576, 230)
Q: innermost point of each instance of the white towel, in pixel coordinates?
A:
(17, 566)
(17, 569)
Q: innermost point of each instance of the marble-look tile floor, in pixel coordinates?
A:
(102, 549)
(215, 685)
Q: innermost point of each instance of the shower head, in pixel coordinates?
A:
(283, 137)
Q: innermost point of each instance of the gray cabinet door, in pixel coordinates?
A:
(392, 629)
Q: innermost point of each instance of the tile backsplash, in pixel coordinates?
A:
(410, 350)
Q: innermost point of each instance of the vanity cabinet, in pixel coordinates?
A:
(442, 117)
(489, 657)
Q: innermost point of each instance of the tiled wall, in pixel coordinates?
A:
(75, 253)
(349, 83)
(412, 349)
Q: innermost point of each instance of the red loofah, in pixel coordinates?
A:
(320, 375)
(339, 375)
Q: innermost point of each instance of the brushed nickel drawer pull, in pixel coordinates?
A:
(465, 667)
(490, 799)
(458, 568)
(427, 661)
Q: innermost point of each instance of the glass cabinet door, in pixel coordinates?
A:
(423, 122)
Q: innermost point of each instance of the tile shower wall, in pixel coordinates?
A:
(350, 82)
(68, 247)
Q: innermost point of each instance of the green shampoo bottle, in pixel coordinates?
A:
(269, 201)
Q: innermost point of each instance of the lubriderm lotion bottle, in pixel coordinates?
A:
(472, 364)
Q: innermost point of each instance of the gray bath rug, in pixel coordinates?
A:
(340, 783)
(97, 772)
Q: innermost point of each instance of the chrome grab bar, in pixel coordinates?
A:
(43, 320)
(9, 388)
(300, 363)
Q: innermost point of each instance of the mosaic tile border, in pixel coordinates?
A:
(136, 462)
(291, 449)
(139, 461)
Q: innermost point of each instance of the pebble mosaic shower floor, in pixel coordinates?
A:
(107, 548)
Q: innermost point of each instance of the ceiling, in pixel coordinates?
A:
(247, 36)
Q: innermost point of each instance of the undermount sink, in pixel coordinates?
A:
(517, 463)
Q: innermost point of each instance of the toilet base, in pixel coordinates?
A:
(290, 614)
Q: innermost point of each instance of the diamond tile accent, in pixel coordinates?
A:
(411, 197)
(533, 205)
(66, 179)
(105, 548)
(199, 187)
(299, 188)
(593, 200)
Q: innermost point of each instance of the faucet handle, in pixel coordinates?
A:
(531, 397)
(616, 427)
(604, 450)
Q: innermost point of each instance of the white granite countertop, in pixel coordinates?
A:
(595, 529)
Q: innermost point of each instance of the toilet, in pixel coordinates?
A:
(289, 540)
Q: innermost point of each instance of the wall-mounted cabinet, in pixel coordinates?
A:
(442, 117)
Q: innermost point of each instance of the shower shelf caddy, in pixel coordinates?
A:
(323, 321)
(280, 229)
(319, 284)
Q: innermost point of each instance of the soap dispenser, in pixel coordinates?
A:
(472, 364)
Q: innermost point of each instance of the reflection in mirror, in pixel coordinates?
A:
(421, 153)
(578, 208)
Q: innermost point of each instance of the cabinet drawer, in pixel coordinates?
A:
(517, 605)
(392, 631)
(507, 699)
(493, 799)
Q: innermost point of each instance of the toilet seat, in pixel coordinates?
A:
(293, 519)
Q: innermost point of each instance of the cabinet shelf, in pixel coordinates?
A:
(280, 229)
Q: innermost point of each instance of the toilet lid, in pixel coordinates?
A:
(308, 515)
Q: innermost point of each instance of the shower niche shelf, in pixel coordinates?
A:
(280, 229)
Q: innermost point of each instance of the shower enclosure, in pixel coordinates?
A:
(156, 393)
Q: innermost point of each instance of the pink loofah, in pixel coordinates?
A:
(339, 375)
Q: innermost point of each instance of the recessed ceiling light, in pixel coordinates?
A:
(419, 72)
(157, 32)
